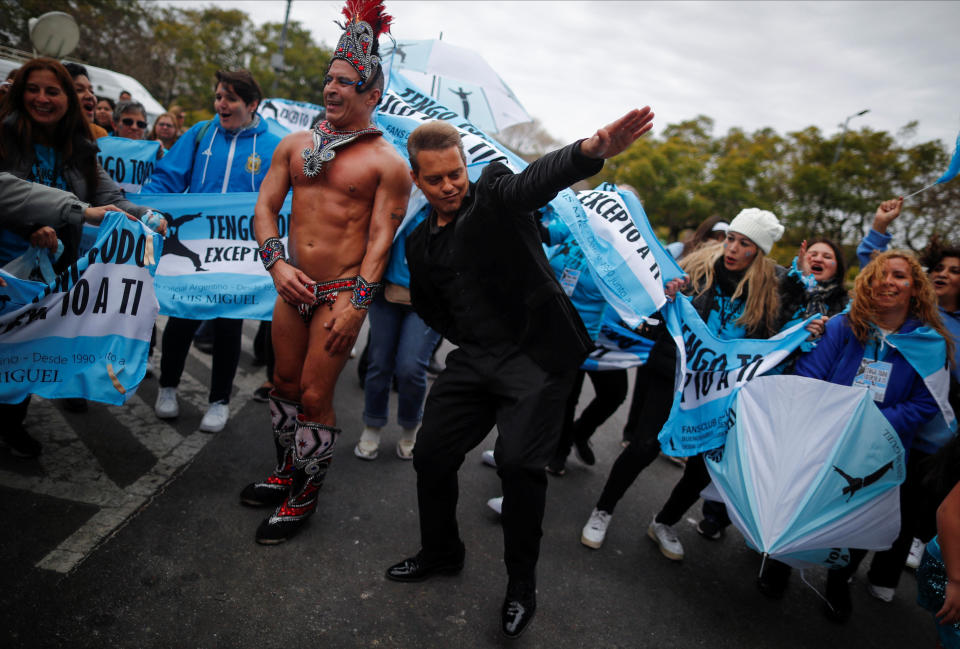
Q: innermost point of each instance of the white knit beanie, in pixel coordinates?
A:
(760, 226)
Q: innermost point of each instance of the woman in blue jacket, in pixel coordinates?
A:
(892, 297)
(230, 153)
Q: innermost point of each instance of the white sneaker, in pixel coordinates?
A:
(166, 406)
(596, 529)
(496, 504)
(368, 446)
(882, 593)
(488, 459)
(216, 418)
(666, 538)
(916, 554)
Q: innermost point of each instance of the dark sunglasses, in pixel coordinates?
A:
(127, 121)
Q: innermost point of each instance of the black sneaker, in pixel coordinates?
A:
(20, 443)
(710, 529)
(584, 451)
(556, 467)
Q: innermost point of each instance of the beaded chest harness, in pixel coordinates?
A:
(325, 140)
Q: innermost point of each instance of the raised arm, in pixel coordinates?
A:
(877, 238)
(539, 183)
(389, 208)
(288, 280)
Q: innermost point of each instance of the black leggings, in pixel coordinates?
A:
(610, 387)
(177, 336)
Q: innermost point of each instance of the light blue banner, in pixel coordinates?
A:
(711, 371)
(618, 347)
(87, 334)
(129, 162)
(210, 267)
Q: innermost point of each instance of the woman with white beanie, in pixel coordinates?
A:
(735, 288)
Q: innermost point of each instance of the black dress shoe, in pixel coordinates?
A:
(584, 451)
(422, 567)
(519, 607)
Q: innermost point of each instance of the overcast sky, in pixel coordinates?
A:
(577, 65)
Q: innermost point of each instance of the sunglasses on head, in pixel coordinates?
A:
(127, 121)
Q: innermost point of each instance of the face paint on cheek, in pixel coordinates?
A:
(748, 253)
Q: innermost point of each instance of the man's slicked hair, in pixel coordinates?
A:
(433, 136)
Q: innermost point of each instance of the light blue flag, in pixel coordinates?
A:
(289, 115)
(87, 334)
(129, 162)
(809, 470)
(210, 267)
(710, 373)
(926, 351)
(618, 347)
(954, 167)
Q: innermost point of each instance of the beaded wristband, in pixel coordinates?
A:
(363, 293)
(271, 250)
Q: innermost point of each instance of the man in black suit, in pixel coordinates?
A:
(479, 276)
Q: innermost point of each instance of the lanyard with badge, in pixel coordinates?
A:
(873, 373)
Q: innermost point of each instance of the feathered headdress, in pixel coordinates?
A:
(359, 45)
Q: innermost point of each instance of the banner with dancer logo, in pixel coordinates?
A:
(210, 267)
(88, 333)
(291, 115)
(129, 162)
(711, 372)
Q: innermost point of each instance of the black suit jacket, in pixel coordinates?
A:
(497, 238)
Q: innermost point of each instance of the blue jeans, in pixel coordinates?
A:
(400, 343)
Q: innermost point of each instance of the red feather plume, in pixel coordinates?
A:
(370, 12)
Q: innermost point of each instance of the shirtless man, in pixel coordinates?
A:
(350, 192)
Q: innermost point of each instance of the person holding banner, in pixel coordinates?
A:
(892, 342)
(230, 153)
(735, 291)
(350, 193)
(479, 276)
(45, 138)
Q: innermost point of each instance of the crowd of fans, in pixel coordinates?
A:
(50, 122)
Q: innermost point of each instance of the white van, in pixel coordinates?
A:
(106, 83)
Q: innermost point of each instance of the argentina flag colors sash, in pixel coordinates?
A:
(88, 333)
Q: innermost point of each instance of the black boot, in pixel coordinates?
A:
(274, 489)
(313, 452)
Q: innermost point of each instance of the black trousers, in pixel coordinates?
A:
(610, 387)
(480, 388)
(652, 398)
(177, 336)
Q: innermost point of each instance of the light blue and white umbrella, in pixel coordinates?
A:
(809, 470)
(460, 79)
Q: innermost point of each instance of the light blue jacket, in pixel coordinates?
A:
(209, 160)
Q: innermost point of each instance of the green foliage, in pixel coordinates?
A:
(175, 52)
(817, 185)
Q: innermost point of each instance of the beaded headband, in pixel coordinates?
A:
(359, 45)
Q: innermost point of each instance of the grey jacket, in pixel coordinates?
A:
(24, 201)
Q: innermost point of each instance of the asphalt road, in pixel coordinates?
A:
(128, 533)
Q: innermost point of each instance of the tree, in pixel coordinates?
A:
(306, 63)
(529, 140)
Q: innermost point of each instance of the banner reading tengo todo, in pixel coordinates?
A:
(210, 267)
(87, 334)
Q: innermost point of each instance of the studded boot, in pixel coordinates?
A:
(313, 453)
(274, 488)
